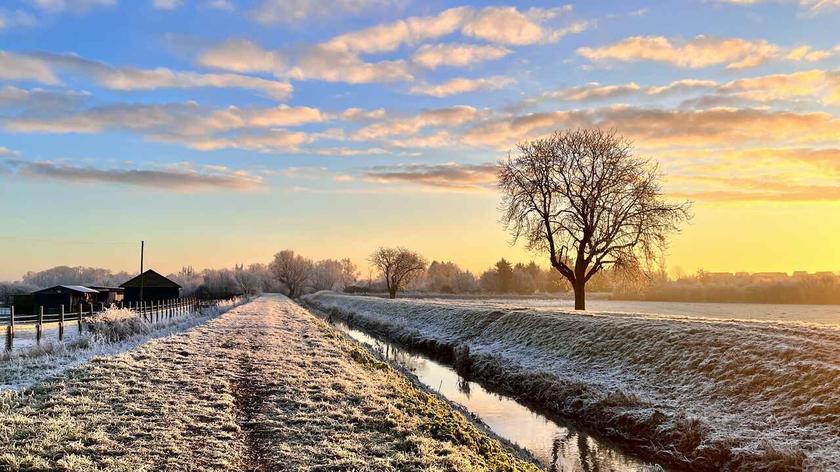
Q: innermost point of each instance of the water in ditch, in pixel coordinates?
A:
(559, 447)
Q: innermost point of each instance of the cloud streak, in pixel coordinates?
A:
(179, 178)
(47, 68)
(461, 85)
(698, 52)
(449, 176)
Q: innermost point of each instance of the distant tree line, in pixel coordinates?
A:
(822, 288)
(396, 270)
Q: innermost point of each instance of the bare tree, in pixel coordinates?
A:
(349, 272)
(398, 266)
(327, 274)
(582, 196)
(293, 271)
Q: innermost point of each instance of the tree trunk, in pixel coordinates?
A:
(580, 295)
(392, 293)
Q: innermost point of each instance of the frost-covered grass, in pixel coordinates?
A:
(266, 386)
(706, 394)
(107, 333)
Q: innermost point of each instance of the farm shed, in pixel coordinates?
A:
(69, 296)
(109, 295)
(155, 287)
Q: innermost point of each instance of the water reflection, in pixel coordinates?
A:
(559, 447)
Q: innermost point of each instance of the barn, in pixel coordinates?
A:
(154, 287)
(69, 296)
(108, 295)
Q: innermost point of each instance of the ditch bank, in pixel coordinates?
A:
(694, 394)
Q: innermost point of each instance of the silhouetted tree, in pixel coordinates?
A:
(583, 197)
(504, 276)
(398, 266)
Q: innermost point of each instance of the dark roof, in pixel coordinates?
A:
(107, 289)
(67, 288)
(151, 279)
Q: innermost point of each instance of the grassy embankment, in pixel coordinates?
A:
(701, 394)
(266, 386)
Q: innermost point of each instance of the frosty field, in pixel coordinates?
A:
(265, 386)
(705, 394)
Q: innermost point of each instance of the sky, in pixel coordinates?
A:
(221, 131)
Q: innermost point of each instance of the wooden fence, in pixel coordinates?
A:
(150, 312)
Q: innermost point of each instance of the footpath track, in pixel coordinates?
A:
(266, 386)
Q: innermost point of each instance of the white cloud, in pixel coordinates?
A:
(270, 141)
(461, 85)
(458, 55)
(167, 4)
(58, 6)
(179, 119)
(296, 11)
(451, 175)
(180, 178)
(812, 6)
(21, 67)
(504, 25)
(323, 62)
(226, 5)
(817, 85)
(390, 36)
(152, 79)
(340, 58)
(507, 25)
(700, 51)
(16, 18)
(451, 116)
(44, 68)
(241, 55)
(360, 114)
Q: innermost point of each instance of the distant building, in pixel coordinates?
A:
(68, 296)
(154, 286)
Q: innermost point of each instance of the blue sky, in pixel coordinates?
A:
(223, 131)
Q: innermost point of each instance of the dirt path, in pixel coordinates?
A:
(266, 386)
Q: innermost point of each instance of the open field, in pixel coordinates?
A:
(704, 394)
(266, 386)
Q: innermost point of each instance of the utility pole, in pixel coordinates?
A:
(142, 277)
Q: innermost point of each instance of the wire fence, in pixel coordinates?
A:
(150, 311)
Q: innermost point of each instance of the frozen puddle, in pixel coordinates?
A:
(559, 447)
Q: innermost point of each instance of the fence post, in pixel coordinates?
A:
(61, 323)
(80, 317)
(10, 336)
(40, 326)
